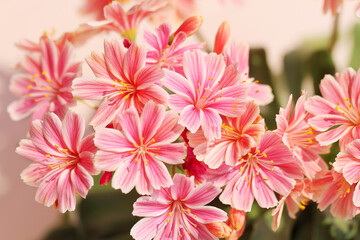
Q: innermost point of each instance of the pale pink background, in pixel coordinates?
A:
(278, 25)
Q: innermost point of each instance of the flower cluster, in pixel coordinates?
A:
(166, 104)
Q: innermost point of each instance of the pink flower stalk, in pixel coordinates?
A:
(45, 85)
(63, 160)
(347, 162)
(207, 90)
(266, 169)
(238, 136)
(137, 148)
(338, 110)
(300, 138)
(126, 23)
(122, 81)
(222, 37)
(238, 54)
(296, 200)
(332, 5)
(331, 189)
(167, 56)
(177, 211)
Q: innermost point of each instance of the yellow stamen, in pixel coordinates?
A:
(265, 155)
(302, 207)
(47, 155)
(64, 150)
(44, 72)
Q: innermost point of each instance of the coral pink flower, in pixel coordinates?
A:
(207, 90)
(296, 200)
(300, 138)
(347, 162)
(190, 26)
(266, 169)
(239, 54)
(331, 188)
(238, 136)
(95, 7)
(46, 84)
(339, 107)
(332, 5)
(137, 148)
(168, 56)
(122, 81)
(63, 161)
(177, 212)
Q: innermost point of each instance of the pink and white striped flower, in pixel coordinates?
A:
(297, 199)
(45, 85)
(238, 136)
(63, 160)
(208, 90)
(266, 169)
(127, 22)
(337, 112)
(330, 188)
(122, 81)
(347, 162)
(168, 56)
(238, 54)
(177, 212)
(137, 148)
(300, 138)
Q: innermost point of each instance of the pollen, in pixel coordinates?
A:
(250, 154)
(169, 214)
(44, 72)
(210, 78)
(272, 169)
(67, 163)
(47, 155)
(265, 155)
(271, 161)
(167, 220)
(29, 86)
(241, 168)
(48, 80)
(153, 139)
(302, 207)
(48, 88)
(60, 166)
(197, 90)
(136, 160)
(127, 96)
(64, 150)
(195, 216)
(36, 75)
(266, 179)
(230, 128)
(258, 151)
(189, 211)
(57, 146)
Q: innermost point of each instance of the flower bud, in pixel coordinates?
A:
(237, 218)
(219, 229)
(222, 37)
(189, 27)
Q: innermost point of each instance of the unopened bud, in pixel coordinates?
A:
(189, 27)
(219, 229)
(222, 37)
(105, 178)
(237, 218)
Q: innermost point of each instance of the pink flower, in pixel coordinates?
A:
(122, 81)
(347, 162)
(300, 138)
(46, 84)
(338, 111)
(168, 56)
(207, 90)
(266, 169)
(331, 189)
(137, 148)
(297, 199)
(63, 161)
(95, 7)
(238, 136)
(177, 212)
(190, 26)
(332, 5)
(126, 23)
(238, 54)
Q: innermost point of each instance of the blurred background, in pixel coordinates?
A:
(286, 36)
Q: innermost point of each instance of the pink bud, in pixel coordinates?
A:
(219, 229)
(237, 218)
(189, 26)
(222, 37)
(105, 178)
